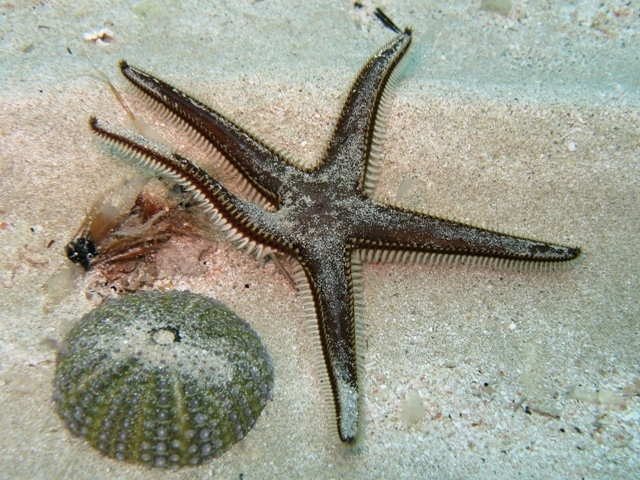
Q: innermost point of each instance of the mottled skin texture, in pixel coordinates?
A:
(323, 217)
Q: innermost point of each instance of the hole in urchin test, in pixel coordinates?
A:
(165, 335)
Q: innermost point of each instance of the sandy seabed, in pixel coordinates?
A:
(528, 123)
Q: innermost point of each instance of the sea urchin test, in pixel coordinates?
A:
(166, 379)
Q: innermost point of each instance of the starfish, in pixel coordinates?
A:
(324, 220)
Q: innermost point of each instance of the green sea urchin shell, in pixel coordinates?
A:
(166, 379)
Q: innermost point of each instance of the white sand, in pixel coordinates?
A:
(528, 124)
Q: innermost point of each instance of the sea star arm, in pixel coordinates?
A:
(243, 223)
(329, 286)
(398, 234)
(355, 145)
(262, 167)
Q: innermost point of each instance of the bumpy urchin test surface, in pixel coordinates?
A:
(166, 379)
